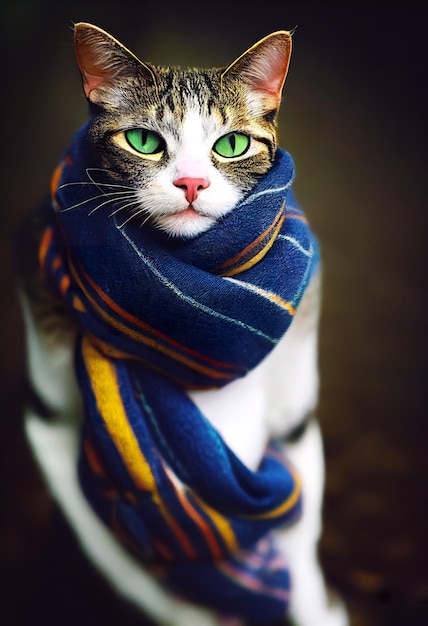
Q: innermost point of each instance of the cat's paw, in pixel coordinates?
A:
(333, 614)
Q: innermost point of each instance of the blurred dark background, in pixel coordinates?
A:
(354, 118)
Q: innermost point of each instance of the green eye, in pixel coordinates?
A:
(232, 145)
(144, 141)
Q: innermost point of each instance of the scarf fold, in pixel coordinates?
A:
(158, 316)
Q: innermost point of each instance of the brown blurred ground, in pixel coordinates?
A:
(354, 118)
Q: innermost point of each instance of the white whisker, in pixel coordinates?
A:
(149, 216)
(85, 182)
(94, 169)
(108, 201)
(125, 206)
(102, 195)
(91, 179)
(132, 216)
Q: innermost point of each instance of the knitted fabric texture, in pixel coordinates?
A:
(157, 316)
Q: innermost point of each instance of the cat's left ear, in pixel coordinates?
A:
(105, 64)
(263, 68)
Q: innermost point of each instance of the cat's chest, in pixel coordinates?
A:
(238, 412)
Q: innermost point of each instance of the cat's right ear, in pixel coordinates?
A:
(105, 63)
(263, 70)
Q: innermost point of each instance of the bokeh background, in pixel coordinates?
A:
(354, 118)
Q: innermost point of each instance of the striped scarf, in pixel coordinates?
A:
(158, 316)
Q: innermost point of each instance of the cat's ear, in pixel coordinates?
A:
(263, 68)
(104, 63)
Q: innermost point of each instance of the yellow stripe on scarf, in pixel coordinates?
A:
(105, 386)
(289, 503)
(212, 373)
(257, 257)
(221, 523)
(109, 402)
(273, 297)
(274, 226)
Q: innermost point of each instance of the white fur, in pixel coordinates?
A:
(270, 400)
(309, 603)
(190, 156)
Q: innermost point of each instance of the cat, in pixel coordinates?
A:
(181, 149)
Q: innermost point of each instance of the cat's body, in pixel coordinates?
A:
(207, 137)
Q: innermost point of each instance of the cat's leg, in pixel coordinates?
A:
(293, 381)
(310, 603)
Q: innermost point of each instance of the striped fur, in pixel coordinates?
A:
(190, 109)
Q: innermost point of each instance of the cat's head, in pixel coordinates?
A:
(188, 143)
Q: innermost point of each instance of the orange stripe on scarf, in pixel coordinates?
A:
(147, 340)
(252, 245)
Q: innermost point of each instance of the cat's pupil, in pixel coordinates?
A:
(144, 137)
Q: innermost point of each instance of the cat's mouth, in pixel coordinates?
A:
(187, 222)
(189, 213)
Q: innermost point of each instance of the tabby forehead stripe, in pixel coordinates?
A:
(257, 257)
(105, 385)
(253, 244)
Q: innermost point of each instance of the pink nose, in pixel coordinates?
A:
(191, 186)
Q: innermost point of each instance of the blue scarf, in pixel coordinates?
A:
(158, 316)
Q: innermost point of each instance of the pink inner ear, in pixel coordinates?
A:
(271, 87)
(271, 73)
(91, 82)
